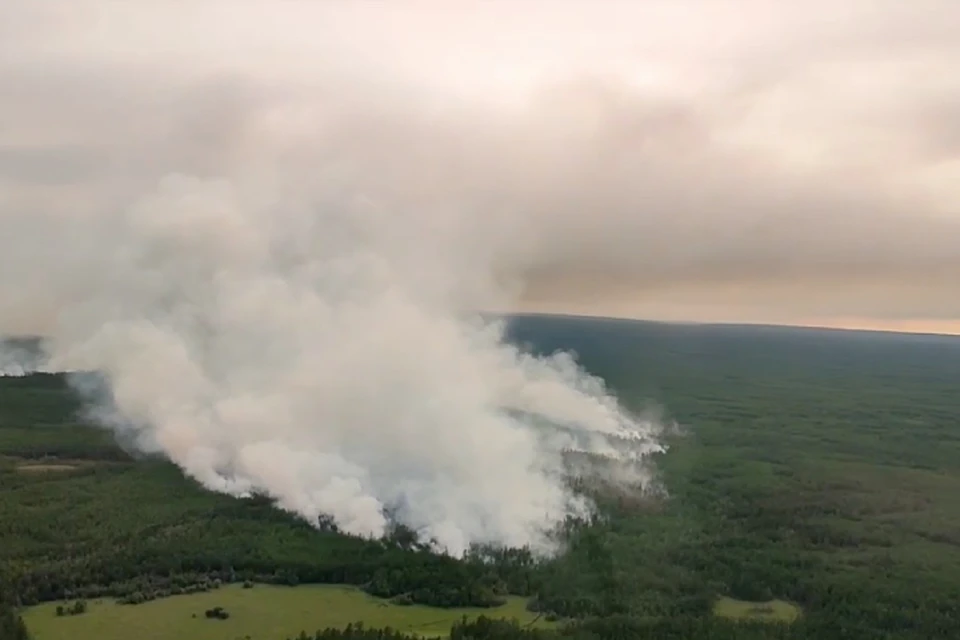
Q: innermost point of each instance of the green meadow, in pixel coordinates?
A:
(261, 613)
(774, 610)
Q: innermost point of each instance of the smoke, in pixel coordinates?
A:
(330, 355)
(281, 291)
(21, 357)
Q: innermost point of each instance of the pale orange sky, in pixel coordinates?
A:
(903, 326)
(691, 160)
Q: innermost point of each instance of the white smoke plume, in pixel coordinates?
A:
(300, 315)
(19, 357)
(329, 354)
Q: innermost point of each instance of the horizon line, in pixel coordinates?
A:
(746, 323)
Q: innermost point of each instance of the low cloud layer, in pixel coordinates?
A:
(269, 224)
(804, 156)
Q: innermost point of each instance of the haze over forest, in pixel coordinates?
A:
(692, 160)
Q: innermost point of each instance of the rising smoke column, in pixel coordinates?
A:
(326, 355)
(21, 357)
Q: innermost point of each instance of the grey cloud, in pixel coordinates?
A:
(50, 164)
(594, 175)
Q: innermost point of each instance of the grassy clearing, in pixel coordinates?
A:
(261, 613)
(41, 465)
(46, 468)
(773, 611)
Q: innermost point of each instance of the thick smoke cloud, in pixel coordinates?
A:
(324, 356)
(270, 226)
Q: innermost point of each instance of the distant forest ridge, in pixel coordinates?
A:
(742, 327)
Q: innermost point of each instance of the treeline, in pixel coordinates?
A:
(250, 541)
(12, 626)
(404, 577)
(629, 628)
(611, 628)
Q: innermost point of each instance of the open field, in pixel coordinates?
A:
(775, 610)
(46, 467)
(262, 613)
(820, 468)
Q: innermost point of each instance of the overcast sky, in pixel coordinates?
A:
(697, 160)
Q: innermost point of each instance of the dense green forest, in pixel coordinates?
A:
(821, 468)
